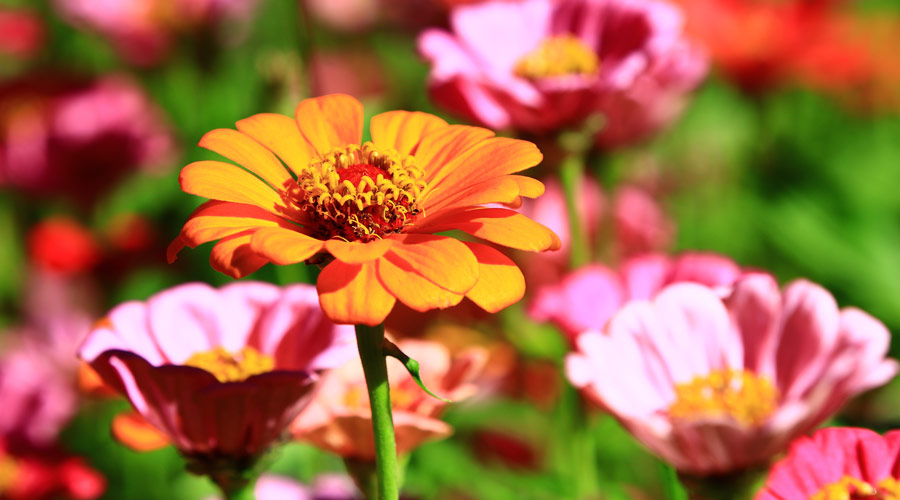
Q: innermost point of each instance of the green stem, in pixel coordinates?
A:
(571, 173)
(243, 492)
(370, 342)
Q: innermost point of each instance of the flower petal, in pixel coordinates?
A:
(354, 252)
(497, 225)
(225, 182)
(403, 282)
(352, 294)
(132, 430)
(505, 189)
(500, 282)
(234, 257)
(280, 135)
(330, 121)
(215, 220)
(284, 246)
(442, 145)
(403, 130)
(444, 261)
(246, 152)
(490, 158)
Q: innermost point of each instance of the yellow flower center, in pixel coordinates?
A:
(9, 470)
(558, 56)
(851, 488)
(359, 193)
(737, 394)
(228, 367)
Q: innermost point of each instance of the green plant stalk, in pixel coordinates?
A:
(571, 174)
(370, 341)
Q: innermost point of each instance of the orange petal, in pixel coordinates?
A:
(330, 121)
(529, 187)
(500, 282)
(497, 225)
(444, 144)
(234, 257)
(246, 152)
(136, 433)
(225, 182)
(443, 261)
(497, 190)
(280, 135)
(354, 252)
(285, 246)
(352, 294)
(218, 219)
(402, 130)
(412, 289)
(490, 158)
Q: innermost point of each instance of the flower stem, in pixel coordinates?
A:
(370, 341)
(571, 173)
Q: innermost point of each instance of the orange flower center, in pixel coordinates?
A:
(851, 488)
(359, 193)
(227, 367)
(737, 394)
(558, 56)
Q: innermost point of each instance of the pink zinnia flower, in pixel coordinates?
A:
(714, 381)
(837, 462)
(339, 419)
(641, 224)
(221, 372)
(541, 65)
(588, 297)
(60, 137)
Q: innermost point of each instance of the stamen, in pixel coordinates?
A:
(558, 56)
(359, 193)
(737, 394)
(851, 488)
(227, 367)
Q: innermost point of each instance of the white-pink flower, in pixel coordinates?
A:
(715, 380)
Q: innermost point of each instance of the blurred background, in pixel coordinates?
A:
(786, 158)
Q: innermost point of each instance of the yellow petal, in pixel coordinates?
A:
(497, 225)
(248, 153)
(234, 257)
(330, 121)
(225, 182)
(280, 135)
(352, 294)
(402, 130)
(444, 261)
(500, 282)
(399, 278)
(285, 246)
(354, 252)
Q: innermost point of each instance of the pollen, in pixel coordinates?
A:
(228, 367)
(851, 488)
(557, 56)
(740, 395)
(359, 193)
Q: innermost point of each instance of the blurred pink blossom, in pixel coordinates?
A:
(641, 224)
(345, 15)
(339, 419)
(221, 372)
(588, 297)
(62, 137)
(144, 30)
(38, 368)
(837, 462)
(717, 380)
(21, 32)
(325, 487)
(533, 65)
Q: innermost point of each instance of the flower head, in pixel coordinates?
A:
(837, 463)
(367, 212)
(339, 419)
(220, 372)
(588, 297)
(715, 381)
(542, 65)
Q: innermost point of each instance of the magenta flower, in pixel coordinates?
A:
(835, 463)
(325, 487)
(641, 224)
(588, 297)
(221, 372)
(61, 137)
(714, 381)
(541, 65)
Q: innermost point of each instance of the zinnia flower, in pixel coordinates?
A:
(541, 65)
(62, 245)
(220, 372)
(339, 419)
(715, 381)
(47, 476)
(368, 212)
(837, 463)
(588, 297)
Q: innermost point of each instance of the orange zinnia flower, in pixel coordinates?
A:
(368, 212)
